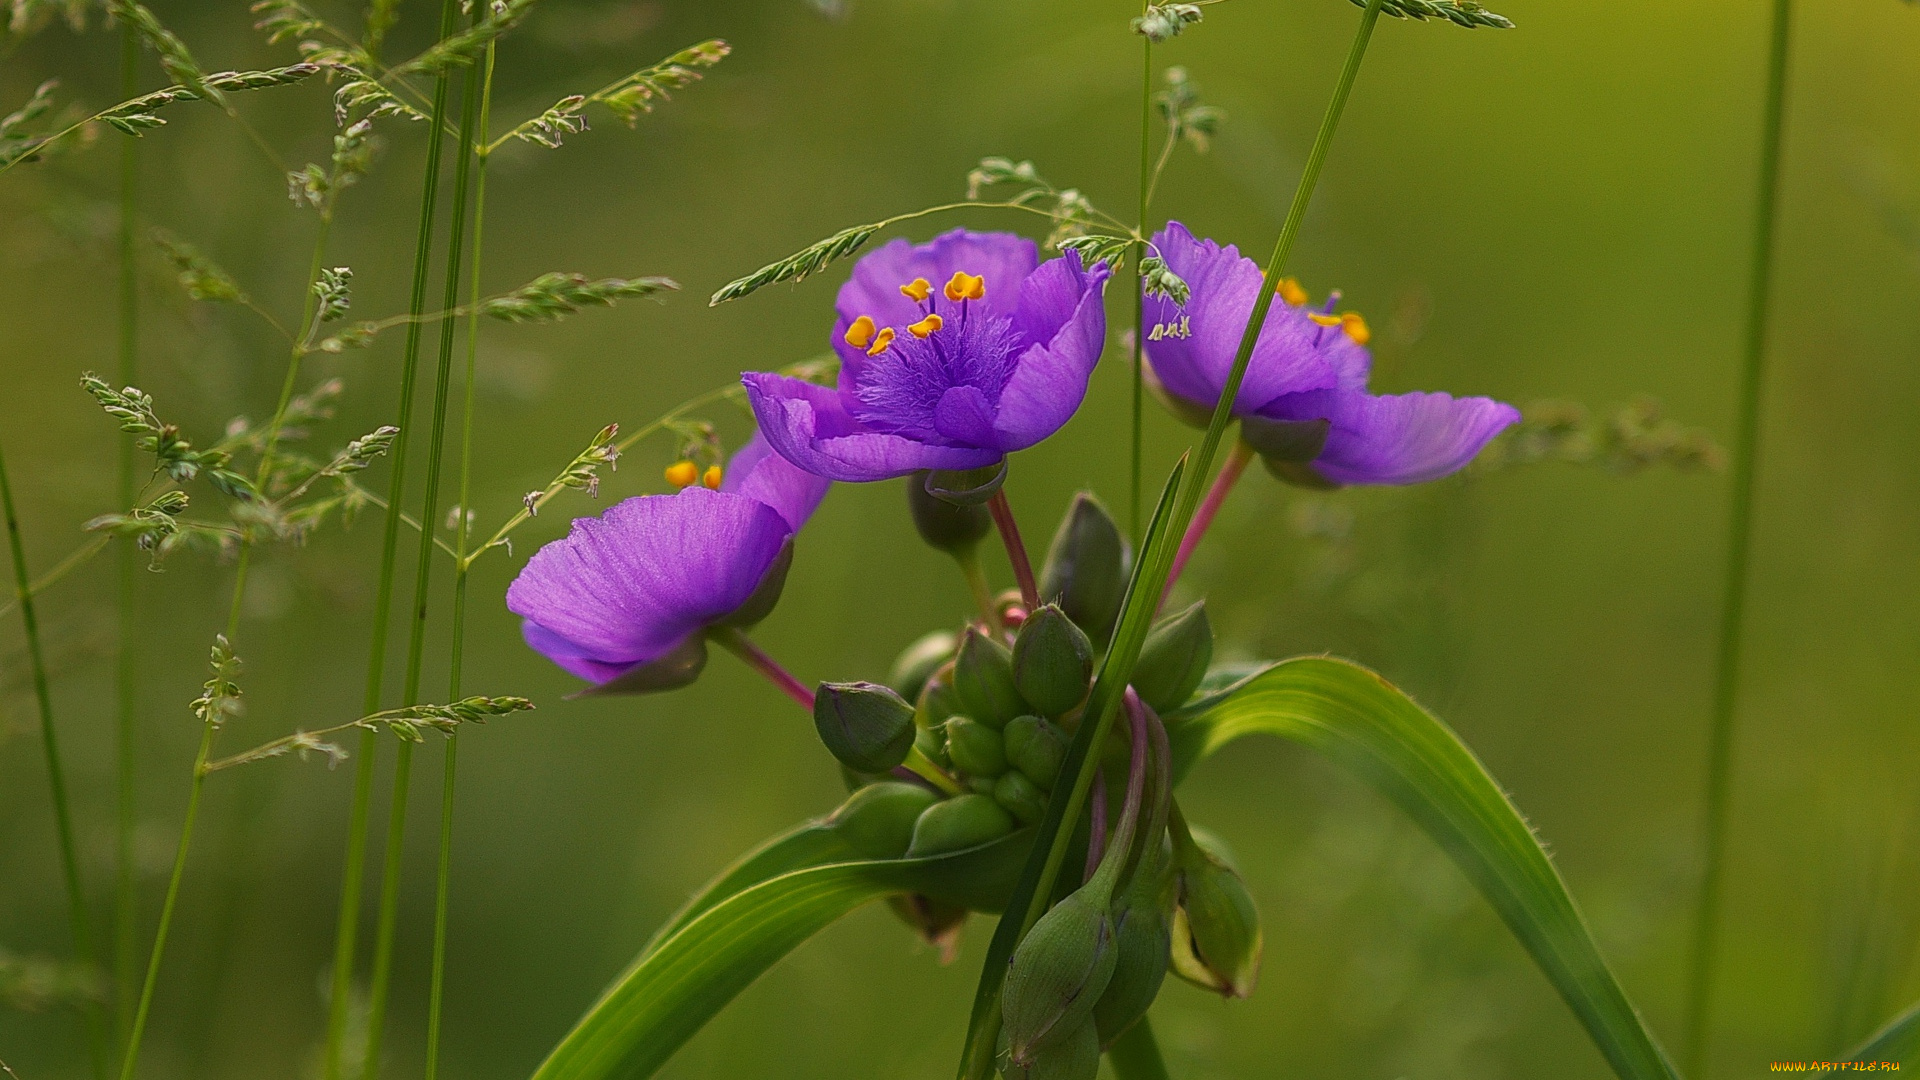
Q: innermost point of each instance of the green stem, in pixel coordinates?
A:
(1726, 691)
(56, 776)
(126, 673)
(1139, 295)
(976, 575)
(387, 928)
(437, 993)
(347, 928)
(1105, 700)
(1135, 1055)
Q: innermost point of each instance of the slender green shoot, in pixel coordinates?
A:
(126, 935)
(1746, 452)
(462, 527)
(352, 879)
(386, 930)
(56, 775)
(1139, 295)
(1036, 886)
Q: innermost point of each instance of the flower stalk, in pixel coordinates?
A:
(126, 934)
(1223, 485)
(735, 640)
(1016, 548)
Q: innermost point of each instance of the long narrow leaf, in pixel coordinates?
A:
(1898, 1042)
(812, 844)
(1362, 722)
(673, 989)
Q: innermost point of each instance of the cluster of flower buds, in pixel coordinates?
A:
(964, 745)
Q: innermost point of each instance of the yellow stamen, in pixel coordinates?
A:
(965, 286)
(1356, 327)
(711, 478)
(682, 474)
(926, 326)
(1290, 291)
(860, 334)
(917, 290)
(881, 340)
(1325, 320)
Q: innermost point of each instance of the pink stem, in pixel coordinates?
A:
(734, 640)
(1236, 464)
(1097, 837)
(1016, 548)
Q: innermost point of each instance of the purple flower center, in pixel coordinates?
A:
(941, 381)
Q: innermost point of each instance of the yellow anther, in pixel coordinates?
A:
(682, 474)
(917, 290)
(1325, 320)
(1356, 327)
(711, 478)
(926, 326)
(1290, 291)
(881, 340)
(965, 286)
(860, 334)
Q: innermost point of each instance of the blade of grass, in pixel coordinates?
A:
(387, 928)
(1746, 451)
(352, 880)
(56, 774)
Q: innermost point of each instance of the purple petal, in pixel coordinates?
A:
(965, 416)
(1194, 359)
(1396, 438)
(1050, 379)
(626, 587)
(759, 473)
(808, 425)
(1004, 259)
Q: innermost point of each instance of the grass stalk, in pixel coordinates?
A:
(1746, 451)
(353, 875)
(126, 936)
(1139, 296)
(56, 774)
(436, 993)
(387, 927)
(1155, 565)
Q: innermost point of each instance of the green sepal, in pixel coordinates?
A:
(1021, 798)
(1174, 658)
(1036, 747)
(959, 823)
(1086, 568)
(974, 748)
(877, 821)
(1057, 974)
(867, 726)
(953, 527)
(916, 664)
(983, 680)
(1052, 661)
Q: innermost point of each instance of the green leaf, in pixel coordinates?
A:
(724, 941)
(1898, 1042)
(1362, 722)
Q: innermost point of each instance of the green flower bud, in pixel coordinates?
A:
(1174, 659)
(878, 820)
(1020, 797)
(1073, 1056)
(932, 744)
(974, 748)
(1036, 748)
(1086, 568)
(1059, 971)
(1052, 661)
(1142, 931)
(981, 785)
(951, 527)
(983, 680)
(936, 700)
(865, 725)
(915, 665)
(1216, 929)
(963, 821)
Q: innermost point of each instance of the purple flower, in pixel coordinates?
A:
(622, 600)
(953, 354)
(1304, 401)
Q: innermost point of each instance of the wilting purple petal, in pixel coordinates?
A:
(1192, 348)
(1396, 438)
(628, 586)
(807, 424)
(759, 473)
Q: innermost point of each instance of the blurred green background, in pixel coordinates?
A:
(1560, 210)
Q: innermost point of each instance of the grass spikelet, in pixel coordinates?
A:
(1464, 13)
(798, 266)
